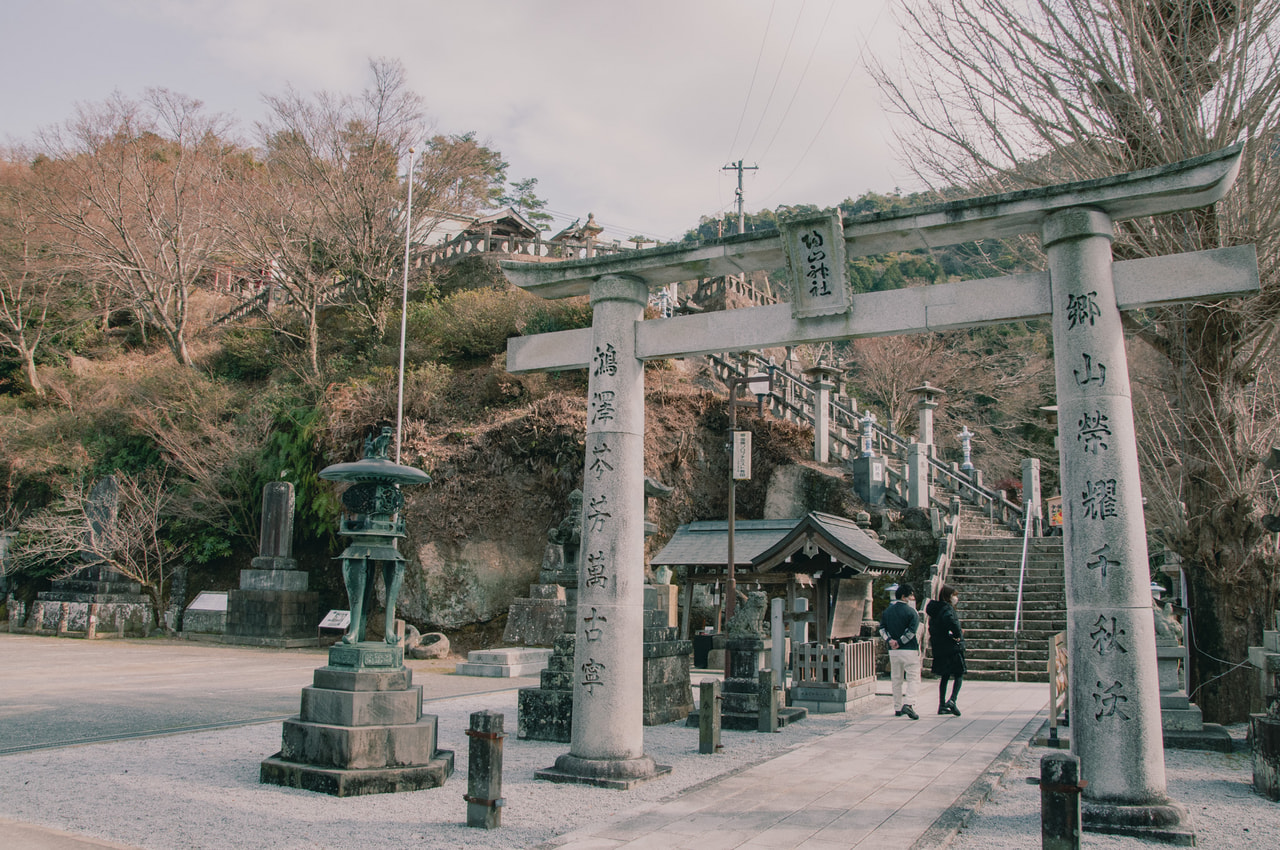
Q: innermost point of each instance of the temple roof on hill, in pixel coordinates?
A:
(806, 544)
(505, 222)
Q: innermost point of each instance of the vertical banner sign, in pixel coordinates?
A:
(741, 455)
(814, 245)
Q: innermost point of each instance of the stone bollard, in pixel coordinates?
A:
(484, 770)
(64, 616)
(36, 622)
(768, 702)
(91, 628)
(1060, 787)
(709, 716)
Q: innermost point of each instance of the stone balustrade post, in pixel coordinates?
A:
(767, 692)
(1060, 802)
(709, 700)
(484, 770)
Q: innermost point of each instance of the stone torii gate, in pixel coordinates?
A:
(1115, 694)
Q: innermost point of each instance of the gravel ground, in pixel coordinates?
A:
(201, 790)
(1215, 787)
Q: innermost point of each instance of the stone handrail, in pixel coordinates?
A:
(791, 398)
(711, 287)
(516, 247)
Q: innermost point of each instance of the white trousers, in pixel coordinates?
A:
(904, 670)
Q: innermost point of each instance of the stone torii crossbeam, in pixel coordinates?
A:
(1110, 628)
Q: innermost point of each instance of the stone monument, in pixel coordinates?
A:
(546, 712)
(1264, 728)
(361, 729)
(1183, 724)
(273, 606)
(120, 604)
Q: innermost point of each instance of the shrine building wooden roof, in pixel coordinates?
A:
(811, 544)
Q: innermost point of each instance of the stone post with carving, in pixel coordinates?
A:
(1115, 693)
(607, 745)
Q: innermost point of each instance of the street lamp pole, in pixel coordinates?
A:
(404, 308)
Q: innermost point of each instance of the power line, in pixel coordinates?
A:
(777, 76)
(808, 62)
(859, 61)
(751, 88)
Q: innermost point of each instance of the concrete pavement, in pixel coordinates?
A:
(879, 781)
(882, 782)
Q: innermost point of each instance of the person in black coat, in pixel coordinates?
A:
(947, 642)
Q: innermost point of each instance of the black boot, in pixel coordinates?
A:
(951, 707)
(910, 712)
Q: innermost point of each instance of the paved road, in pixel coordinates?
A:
(59, 691)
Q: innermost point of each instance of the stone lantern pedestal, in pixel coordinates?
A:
(361, 729)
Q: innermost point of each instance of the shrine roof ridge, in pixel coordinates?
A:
(1188, 184)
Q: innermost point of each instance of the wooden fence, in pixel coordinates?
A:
(844, 664)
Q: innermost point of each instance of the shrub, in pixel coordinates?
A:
(469, 324)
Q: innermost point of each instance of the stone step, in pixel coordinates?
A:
(1025, 674)
(969, 560)
(972, 596)
(504, 663)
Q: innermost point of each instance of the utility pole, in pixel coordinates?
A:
(739, 167)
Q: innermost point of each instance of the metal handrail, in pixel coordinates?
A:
(1022, 577)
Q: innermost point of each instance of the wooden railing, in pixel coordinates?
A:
(850, 663)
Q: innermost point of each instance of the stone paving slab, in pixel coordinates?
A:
(880, 783)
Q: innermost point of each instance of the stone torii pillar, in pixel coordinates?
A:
(608, 669)
(1115, 691)
(1083, 293)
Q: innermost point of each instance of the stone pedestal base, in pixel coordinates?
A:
(740, 708)
(1167, 822)
(828, 698)
(1264, 740)
(545, 713)
(668, 692)
(272, 617)
(360, 729)
(122, 608)
(619, 774)
(537, 620)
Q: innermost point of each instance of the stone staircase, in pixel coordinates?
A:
(985, 572)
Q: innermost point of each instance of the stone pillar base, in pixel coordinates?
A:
(1168, 822)
(619, 774)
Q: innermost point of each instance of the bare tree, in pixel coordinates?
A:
(137, 192)
(328, 207)
(29, 282)
(73, 535)
(1015, 93)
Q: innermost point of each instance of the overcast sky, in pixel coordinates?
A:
(628, 110)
